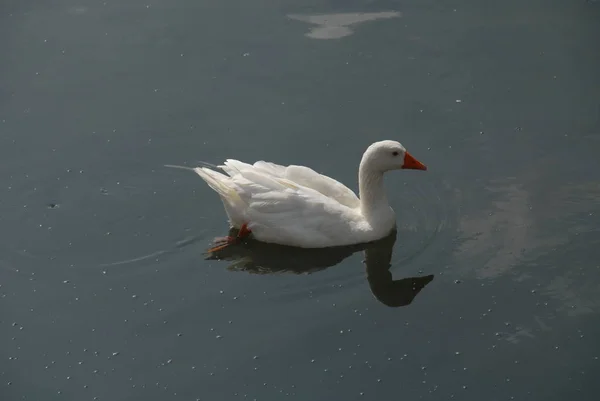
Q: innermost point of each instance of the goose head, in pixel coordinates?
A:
(388, 155)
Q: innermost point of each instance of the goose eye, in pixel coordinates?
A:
(395, 153)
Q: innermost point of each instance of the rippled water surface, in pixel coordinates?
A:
(489, 289)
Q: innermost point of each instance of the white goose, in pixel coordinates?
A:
(296, 206)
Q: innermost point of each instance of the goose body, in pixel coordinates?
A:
(294, 205)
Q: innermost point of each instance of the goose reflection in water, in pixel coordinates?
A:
(262, 258)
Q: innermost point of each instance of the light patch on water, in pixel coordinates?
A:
(502, 236)
(78, 10)
(510, 236)
(335, 26)
(520, 333)
(576, 299)
(542, 325)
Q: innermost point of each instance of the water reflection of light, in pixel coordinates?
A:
(334, 26)
(501, 234)
(532, 232)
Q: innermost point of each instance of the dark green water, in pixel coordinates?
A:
(105, 292)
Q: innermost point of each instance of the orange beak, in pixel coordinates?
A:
(412, 163)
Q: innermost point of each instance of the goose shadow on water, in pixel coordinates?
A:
(257, 257)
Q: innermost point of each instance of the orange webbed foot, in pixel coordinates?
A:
(222, 242)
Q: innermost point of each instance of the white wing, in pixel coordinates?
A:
(285, 204)
(307, 177)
